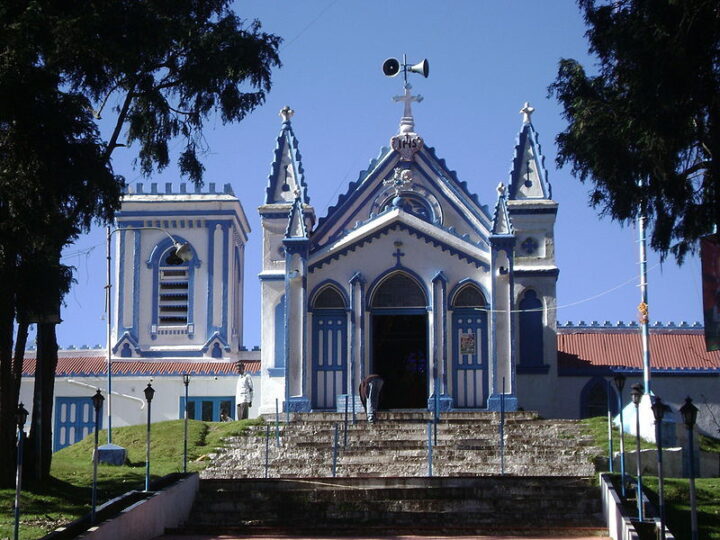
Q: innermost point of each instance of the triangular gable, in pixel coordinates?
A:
(528, 177)
(398, 220)
(287, 177)
(502, 225)
(296, 221)
(449, 201)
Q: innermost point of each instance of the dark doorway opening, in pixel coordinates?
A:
(400, 358)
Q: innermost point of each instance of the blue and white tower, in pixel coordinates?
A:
(168, 308)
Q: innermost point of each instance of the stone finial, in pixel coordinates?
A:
(501, 189)
(286, 113)
(407, 123)
(527, 111)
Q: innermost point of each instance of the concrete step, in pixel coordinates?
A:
(327, 504)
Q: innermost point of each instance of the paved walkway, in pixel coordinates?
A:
(569, 536)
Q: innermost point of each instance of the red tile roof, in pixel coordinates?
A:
(70, 365)
(670, 349)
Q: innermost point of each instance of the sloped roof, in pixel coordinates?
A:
(672, 350)
(84, 366)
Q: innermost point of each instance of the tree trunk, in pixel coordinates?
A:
(40, 441)
(9, 380)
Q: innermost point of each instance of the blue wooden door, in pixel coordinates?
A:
(470, 366)
(74, 420)
(329, 357)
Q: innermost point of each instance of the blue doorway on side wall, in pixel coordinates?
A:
(74, 420)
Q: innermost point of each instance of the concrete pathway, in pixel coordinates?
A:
(550, 536)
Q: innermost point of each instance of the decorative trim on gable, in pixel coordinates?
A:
(398, 227)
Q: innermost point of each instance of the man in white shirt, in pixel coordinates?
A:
(243, 392)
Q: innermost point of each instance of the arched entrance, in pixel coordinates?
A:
(399, 342)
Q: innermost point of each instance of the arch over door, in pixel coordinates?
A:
(329, 349)
(470, 346)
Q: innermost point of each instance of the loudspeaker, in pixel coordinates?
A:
(391, 67)
(421, 67)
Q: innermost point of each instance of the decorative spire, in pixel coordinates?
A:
(286, 113)
(407, 122)
(527, 111)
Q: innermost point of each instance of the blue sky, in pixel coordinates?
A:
(486, 59)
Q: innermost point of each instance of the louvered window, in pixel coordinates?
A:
(174, 288)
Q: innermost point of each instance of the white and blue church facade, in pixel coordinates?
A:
(409, 276)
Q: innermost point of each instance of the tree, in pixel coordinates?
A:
(162, 67)
(646, 129)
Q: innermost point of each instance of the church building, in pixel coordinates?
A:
(411, 277)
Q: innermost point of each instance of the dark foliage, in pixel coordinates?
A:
(651, 116)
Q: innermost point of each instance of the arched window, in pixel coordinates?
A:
(329, 298)
(594, 399)
(412, 204)
(531, 330)
(468, 297)
(399, 290)
(173, 290)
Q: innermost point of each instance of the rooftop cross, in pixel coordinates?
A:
(286, 113)
(407, 123)
(527, 111)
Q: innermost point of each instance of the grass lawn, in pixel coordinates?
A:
(677, 495)
(67, 495)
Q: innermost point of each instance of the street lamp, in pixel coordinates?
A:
(186, 382)
(658, 409)
(149, 393)
(619, 380)
(97, 400)
(689, 415)
(637, 393)
(182, 250)
(20, 418)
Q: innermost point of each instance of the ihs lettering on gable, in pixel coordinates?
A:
(407, 145)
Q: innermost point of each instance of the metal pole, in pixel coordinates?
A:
(693, 500)
(609, 419)
(502, 428)
(267, 449)
(346, 423)
(186, 380)
(638, 468)
(95, 467)
(644, 317)
(277, 423)
(108, 305)
(430, 449)
(147, 450)
(335, 451)
(18, 481)
(436, 415)
(622, 446)
(661, 481)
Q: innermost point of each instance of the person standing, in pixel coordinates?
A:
(243, 392)
(370, 389)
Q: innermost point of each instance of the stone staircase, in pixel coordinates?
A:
(382, 484)
(397, 446)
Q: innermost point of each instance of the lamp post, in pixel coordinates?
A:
(97, 400)
(186, 382)
(182, 251)
(658, 409)
(619, 380)
(149, 393)
(609, 422)
(637, 393)
(689, 415)
(20, 418)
